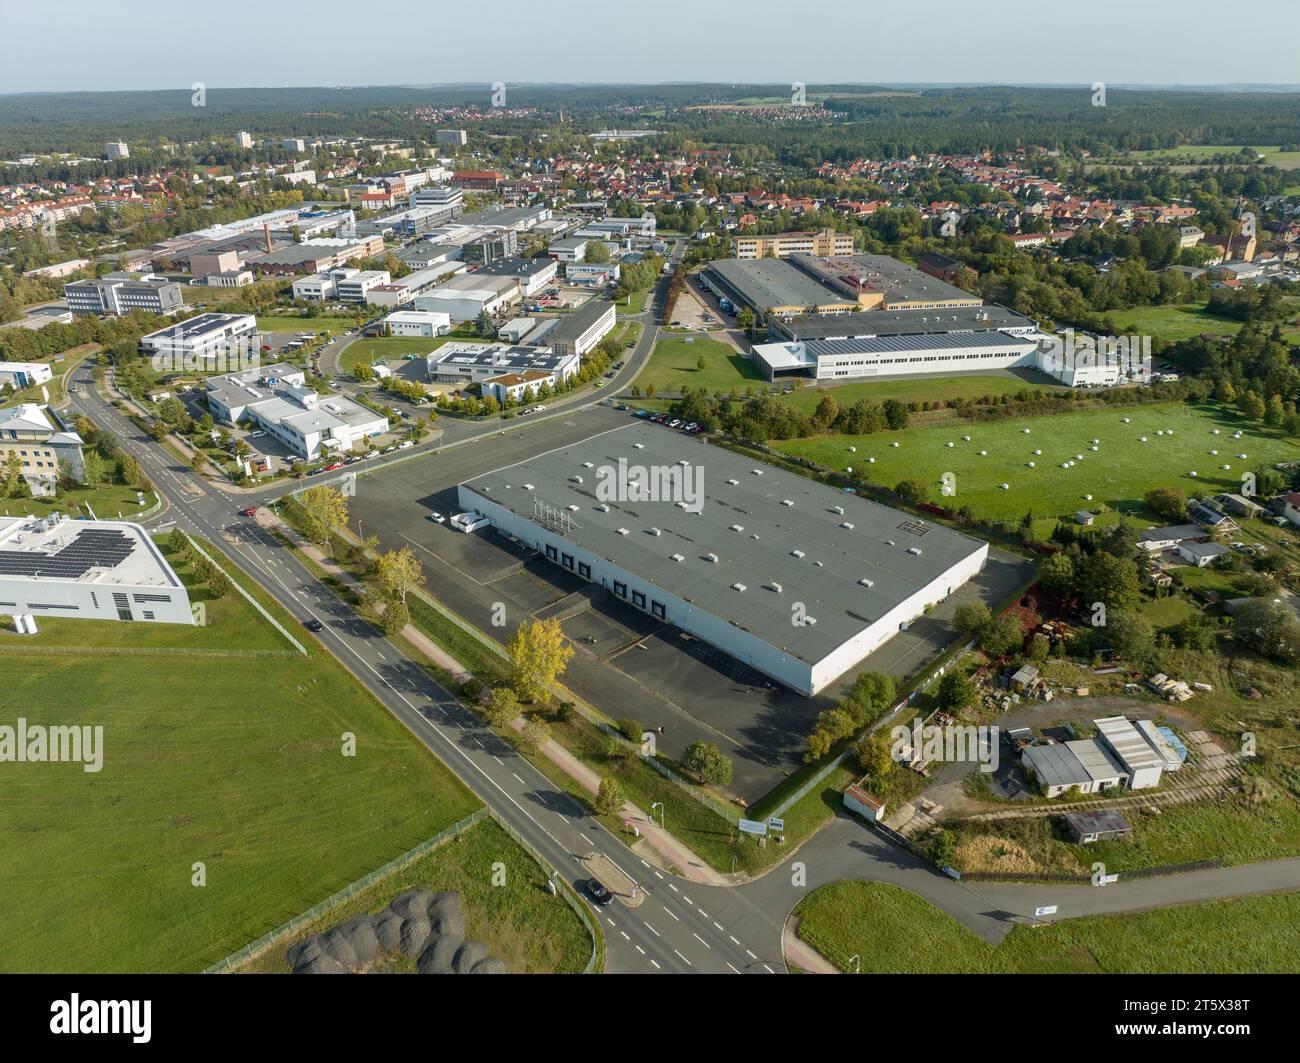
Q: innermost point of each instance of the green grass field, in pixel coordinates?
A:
(1118, 474)
(519, 920)
(948, 389)
(107, 501)
(1173, 323)
(334, 323)
(386, 348)
(673, 365)
(1274, 156)
(894, 931)
(233, 763)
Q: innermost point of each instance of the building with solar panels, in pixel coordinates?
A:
(789, 576)
(88, 569)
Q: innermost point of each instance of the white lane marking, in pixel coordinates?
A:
(670, 912)
(700, 940)
(721, 928)
(585, 838)
(521, 781)
(734, 969)
(684, 959)
(657, 967)
(750, 955)
(735, 942)
(768, 969)
(651, 929)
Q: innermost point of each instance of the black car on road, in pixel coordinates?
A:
(598, 893)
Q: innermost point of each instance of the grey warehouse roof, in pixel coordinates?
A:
(776, 534)
(763, 282)
(903, 322)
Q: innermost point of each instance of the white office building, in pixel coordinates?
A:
(474, 363)
(417, 323)
(277, 399)
(206, 341)
(86, 569)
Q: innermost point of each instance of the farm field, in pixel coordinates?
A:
(234, 762)
(1118, 473)
(1273, 156)
(1173, 322)
(894, 931)
(673, 365)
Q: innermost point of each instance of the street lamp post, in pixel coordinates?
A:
(662, 816)
(856, 960)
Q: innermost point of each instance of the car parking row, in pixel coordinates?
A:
(670, 422)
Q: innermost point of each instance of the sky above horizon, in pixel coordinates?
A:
(78, 45)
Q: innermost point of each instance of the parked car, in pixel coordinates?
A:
(249, 511)
(406, 445)
(333, 466)
(313, 624)
(438, 518)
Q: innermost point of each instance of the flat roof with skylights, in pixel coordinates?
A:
(795, 578)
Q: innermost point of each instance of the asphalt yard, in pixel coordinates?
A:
(626, 662)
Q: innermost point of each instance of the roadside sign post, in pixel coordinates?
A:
(1045, 910)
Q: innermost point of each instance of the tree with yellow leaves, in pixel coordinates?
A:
(539, 653)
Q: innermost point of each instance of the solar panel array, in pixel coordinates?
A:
(92, 548)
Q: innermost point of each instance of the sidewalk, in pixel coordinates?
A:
(266, 519)
(671, 853)
(802, 955)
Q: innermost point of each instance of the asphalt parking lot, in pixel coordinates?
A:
(625, 662)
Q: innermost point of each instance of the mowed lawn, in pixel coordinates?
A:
(1118, 473)
(518, 918)
(234, 763)
(949, 389)
(675, 364)
(386, 348)
(893, 931)
(1173, 322)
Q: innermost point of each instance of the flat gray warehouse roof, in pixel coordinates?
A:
(901, 323)
(763, 282)
(763, 540)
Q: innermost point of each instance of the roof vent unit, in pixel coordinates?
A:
(622, 531)
(786, 502)
(819, 564)
(757, 472)
(654, 531)
(680, 505)
(889, 542)
(838, 509)
(774, 586)
(678, 558)
(914, 550)
(576, 479)
(603, 507)
(733, 482)
(847, 525)
(639, 446)
(528, 487)
(754, 536)
(711, 558)
(683, 461)
(796, 553)
(738, 587)
(808, 621)
(737, 528)
(588, 464)
(572, 507)
(864, 582)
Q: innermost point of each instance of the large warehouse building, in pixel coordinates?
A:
(831, 284)
(792, 578)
